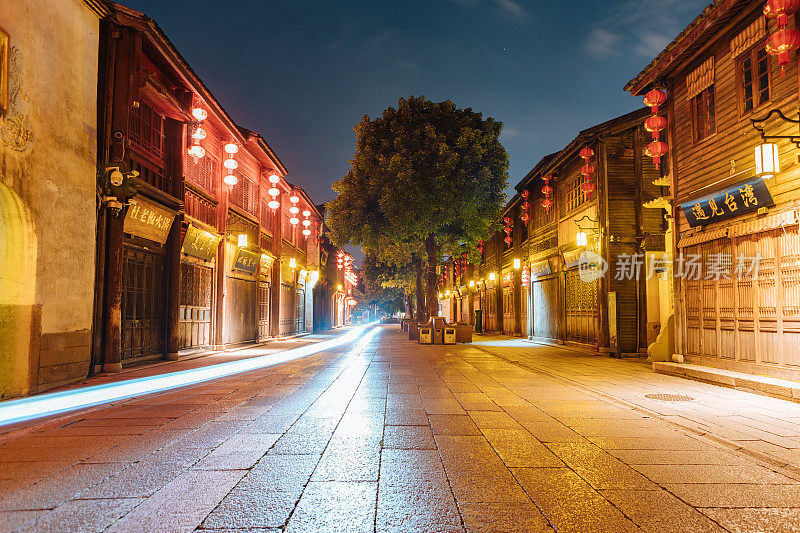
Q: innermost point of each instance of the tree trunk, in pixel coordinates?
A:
(407, 304)
(420, 295)
(432, 249)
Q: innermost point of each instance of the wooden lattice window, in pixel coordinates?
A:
(245, 194)
(200, 208)
(147, 131)
(574, 197)
(203, 173)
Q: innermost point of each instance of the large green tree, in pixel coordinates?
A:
(424, 174)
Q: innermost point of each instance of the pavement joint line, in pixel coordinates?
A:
(786, 469)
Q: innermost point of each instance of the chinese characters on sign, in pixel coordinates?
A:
(148, 220)
(744, 197)
(200, 243)
(247, 262)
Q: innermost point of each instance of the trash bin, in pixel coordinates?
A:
(479, 321)
(413, 331)
(449, 335)
(425, 335)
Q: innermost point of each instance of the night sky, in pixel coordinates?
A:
(303, 73)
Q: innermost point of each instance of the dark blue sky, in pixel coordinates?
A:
(302, 73)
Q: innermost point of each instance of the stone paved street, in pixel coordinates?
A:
(501, 435)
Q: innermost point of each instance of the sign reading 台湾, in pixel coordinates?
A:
(246, 261)
(200, 243)
(744, 197)
(148, 220)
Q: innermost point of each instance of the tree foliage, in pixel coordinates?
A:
(424, 174)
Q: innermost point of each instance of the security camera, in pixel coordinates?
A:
(115, 176)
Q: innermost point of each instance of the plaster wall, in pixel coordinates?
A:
(48, 143)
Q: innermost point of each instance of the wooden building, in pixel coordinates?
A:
(721, 85)
(549, 284)
(191, 253)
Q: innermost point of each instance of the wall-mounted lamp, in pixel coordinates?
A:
(517, 263)
(492, 276)
(242, 240)
(585, 225)
(292, 263)
(447, 293)
(767, 161)
(339, 287)
(472, 283)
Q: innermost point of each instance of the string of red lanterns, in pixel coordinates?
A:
(587, 170)
(547, 190)
(481, 245)
(654, 124)
(526, 207)
(306, 223)
(785, 40)
(508, 229)
(294, 210)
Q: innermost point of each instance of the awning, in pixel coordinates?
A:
(703, 236)
(700, 78)
(750, 36)
(767, 223)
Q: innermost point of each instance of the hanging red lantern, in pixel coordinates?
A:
(480, 247)
(782, 43)
(780, 10)
(656, 149)
(656, 123)
(655, 98)
(587, 170)
(508, 240)
(547, 190)
(525, 218)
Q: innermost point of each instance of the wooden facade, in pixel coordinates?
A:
(545, 296)
(747, 322)
(175, 272)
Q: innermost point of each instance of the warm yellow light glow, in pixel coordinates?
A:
(517, 264)
(440, 295)
(447, 293)
(492, 276)
(767, 161)
(472, 283)
(339, 287)
(242, 240)
(274, 178)
(292, 263)
(581, 239)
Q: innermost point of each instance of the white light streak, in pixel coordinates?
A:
(25, 409)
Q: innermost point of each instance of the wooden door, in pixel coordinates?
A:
(300, 310)
(143, 301)
(194, 313)
(286, 322)
(508, 311)
(581, 308)
(545, 308)
(264, 301)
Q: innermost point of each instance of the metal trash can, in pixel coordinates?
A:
(449, 335)
(479, 321)
(425, 335)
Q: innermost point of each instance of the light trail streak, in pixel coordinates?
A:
(43, 405)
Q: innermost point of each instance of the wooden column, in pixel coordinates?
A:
(275, 285)
(176, 132)
(641, 283)
(603, 340)
(112, 346)
(219, 285)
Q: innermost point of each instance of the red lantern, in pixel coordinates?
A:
(655, 98)
(656, 149)
(508, 240)
(526, 218)
(587, 153)
(780, 10)
(587, 187)
(507, 220)
(781, 44)
(587, 170)
(480, 247)
(508, 229)
(547, 203)
(547, 190)
(655, 123)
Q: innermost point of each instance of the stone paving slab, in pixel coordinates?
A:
(497, 436)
